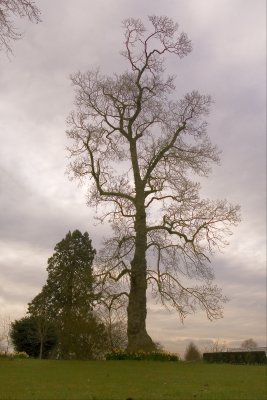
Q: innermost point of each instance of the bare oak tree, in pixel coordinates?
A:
(5, 325)
(10, 9)
(113, 315)
(140, 150)
(249, 344)
(218, 345)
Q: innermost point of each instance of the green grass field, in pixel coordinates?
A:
(135, 380)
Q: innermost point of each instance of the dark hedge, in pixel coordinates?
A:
(236, 357)
(140, 355)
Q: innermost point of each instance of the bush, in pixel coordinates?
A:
(20, 354)
(140, 355)
(28, 332)
(11, 356)
(192, 353)
(237, 357)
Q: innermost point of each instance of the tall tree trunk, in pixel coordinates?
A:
(67, 326)
(41, 346)
(138, 338)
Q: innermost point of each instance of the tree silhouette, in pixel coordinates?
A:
(67, 297)
(140, 150)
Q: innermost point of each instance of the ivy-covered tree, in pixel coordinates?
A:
(37, 338)
(67, 297)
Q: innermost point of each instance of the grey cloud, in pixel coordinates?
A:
(43, 215)
(38, 204)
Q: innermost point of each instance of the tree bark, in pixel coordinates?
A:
(138, 338)
(41, 347)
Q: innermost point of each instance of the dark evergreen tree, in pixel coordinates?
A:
(67, 297)
(37, 338)
(192, 353)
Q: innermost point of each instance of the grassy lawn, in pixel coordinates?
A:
(135, 380)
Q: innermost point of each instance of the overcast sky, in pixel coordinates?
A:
(38, 203)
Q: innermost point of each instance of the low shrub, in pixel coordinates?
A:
(140, 355)
(20, 354)
(236, 357)
(11, 356)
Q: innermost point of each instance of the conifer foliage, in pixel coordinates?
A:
(67, 298)
(192, 353)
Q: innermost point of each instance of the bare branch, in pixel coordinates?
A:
(139, 149)
(10, 9)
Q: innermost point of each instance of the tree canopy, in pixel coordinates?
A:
(27, 336)
(67, 297)
(140, 150)
(192, 353)
(249, 344)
